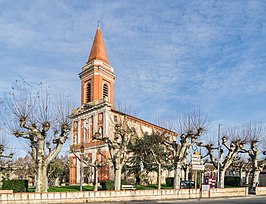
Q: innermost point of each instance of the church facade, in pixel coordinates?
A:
(97, 113)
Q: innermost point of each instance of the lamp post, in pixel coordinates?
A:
(219, 155)
(81, 167)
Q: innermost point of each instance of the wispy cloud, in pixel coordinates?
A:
(168, 55)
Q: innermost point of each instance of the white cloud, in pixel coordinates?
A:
(167, 55)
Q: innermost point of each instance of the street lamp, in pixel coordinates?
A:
(81, 167)
(219, 155)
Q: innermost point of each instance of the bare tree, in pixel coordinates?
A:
(243, 167)
(4, 144)
(5, 168)
(165, 122)
(25, 167)
(190, 125)
(255, 132)
(39, 120)
(125, 108)
(232, 144)
(95, 165)
(118, 146)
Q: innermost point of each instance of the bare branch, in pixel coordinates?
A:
(194, 121)
(254, 131)
(34, 112)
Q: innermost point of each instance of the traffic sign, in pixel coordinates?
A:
(196, 155)
(198, 167)
(205, 187)
(196, 159)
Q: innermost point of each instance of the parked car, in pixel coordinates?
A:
(187, 184)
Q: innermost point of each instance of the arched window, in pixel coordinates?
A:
(88, 93)
(105, 90)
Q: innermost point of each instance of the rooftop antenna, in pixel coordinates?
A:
(99, 23)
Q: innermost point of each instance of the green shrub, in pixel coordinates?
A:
(107, 185)
(123, 182)
(165, 186)
(231, 181)
(152, 186)
(169, 181)
(15, 185)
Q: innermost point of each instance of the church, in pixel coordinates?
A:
(96, 113)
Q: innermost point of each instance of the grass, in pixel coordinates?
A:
(90, 188)
(152, 186)
(69, 188)
(149, 187)
(66, 189)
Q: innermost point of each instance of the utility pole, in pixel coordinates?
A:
(219, 155)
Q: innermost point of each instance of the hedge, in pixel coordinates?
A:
(15, 185)
(232, 181)
(169, 181)
(107, 185)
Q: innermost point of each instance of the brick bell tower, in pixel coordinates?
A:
(97, 76)
(97, 98)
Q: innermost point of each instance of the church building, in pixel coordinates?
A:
(96, 113)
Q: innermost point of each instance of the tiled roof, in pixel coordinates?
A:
(98, 50)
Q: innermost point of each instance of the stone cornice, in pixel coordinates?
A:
(84, 110)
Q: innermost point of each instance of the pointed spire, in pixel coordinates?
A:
(98, 50)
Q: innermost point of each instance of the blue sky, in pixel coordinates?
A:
(168, 55)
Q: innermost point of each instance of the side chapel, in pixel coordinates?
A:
(96, 113)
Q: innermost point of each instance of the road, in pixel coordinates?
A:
(244, 200)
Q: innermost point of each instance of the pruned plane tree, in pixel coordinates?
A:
(43, 123)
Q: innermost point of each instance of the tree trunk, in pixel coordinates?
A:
(247, 178)
(222, 176)
(186, 173)
(95, 178)
(117, 172)
(42, 181)
(159, 176)
(138, 179)
(177, 175)
(0, 179)
(56, 182)
(254, 180)
(46, 179)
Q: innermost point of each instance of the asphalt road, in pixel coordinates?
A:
(249, 200)
(244, 200)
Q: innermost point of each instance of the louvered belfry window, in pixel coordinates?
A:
(105, 90)
(88, 92)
